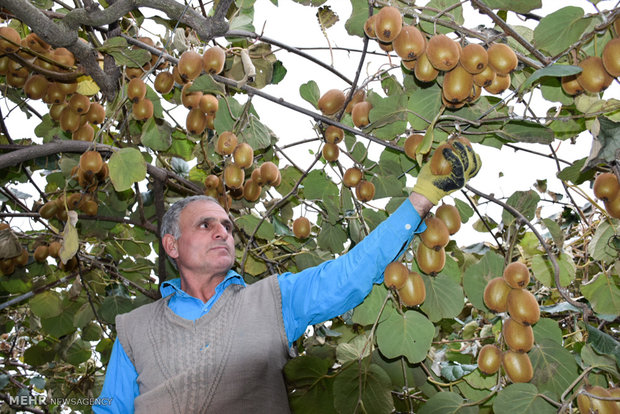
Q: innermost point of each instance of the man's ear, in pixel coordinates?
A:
(170, 245)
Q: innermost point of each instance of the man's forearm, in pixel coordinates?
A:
(421, 204)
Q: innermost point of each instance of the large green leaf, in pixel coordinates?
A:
(600, 247)
(478, 275)
(124, 55)
(543, 270)
(39, 354)
(525, 202)
(127, 166)
(603, 294)
(361, 389)
(603, 343)
(555, 368)
(592, 358)
(310, 92)
(555, 70)
(409, 335)
(305, 370)
(606, 143)
(114, 305)
(368, 311)
(332, 237)
(547, 328)
(424, 104)
(521, 399)
(228, 113)
(318, 186)
(388, 116)
(387, 186)
(46, 305)
(525, 131)
(436, 7)
(78, 352)
(59, 325)
(156, 134)
(444, 297)
(248, 223)
(359, 15)
(560, 29)
(256, 134)
(522, 6)
(446, 403)
(206, 84)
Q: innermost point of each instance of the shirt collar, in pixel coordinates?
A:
(171, 286)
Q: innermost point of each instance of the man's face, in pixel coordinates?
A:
(206, 244)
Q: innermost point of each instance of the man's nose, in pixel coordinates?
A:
(220, 231)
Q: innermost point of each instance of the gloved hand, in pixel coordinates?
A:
(465, 164)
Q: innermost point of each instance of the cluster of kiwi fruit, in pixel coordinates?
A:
(43, 250)
(467, 69)
(598, 72)
(607, 188)
(589, 404)
(408, 284)
(75, 112)
(8, 264)
(509, 293)
(431, 253)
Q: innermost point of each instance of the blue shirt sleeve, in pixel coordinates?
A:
(323, 292)
(120, 387)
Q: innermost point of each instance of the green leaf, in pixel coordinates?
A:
(543, 270)
(256, 134)
(127, 166)
(332, 237)
(465, 211)
(91, 332)
(305, 370)
(603, 294)
(46, 304)
(359, 15)
(39, 354)
(524, 202)
(228, 112)
(423, 104)
(248, 223)
(206, 84)
(444, 297)
(556, 232)
(556, 70)
(156, 135)
(593, 359)
(310, 92)
(521, 399)
(436, 8)
(547, 328)
(446, 403)
(555, 368)
(313, 388)
(318, 186)
(522, 6)
(123, 54)
(600, 247)
(388, 116)
(78, 352)
(575, 173)
(603, 343)
(606, 143)
(114, 305)
(480, 381)
(387, 186)
(409, 335)
(371, 384)
(525, 131)
(60, 325)
(366, 313)
(478, 275)
(357, 349)
(453, 371)
(559, 30)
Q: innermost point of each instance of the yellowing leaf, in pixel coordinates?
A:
(70, 239)
(86, 86)
(327, 18)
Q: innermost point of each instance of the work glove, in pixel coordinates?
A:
(465, 165)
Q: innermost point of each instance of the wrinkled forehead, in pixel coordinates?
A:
(202, 208)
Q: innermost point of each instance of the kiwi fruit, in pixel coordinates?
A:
(518, 337)
(517, 366)
(442, 52)
(48, 210)
(330, 152)
(457, 84)
(176, 76)
(190, 65)
(84, 133)
(68, 88)
(411, 145)
(7, 266)
(523, 307)
(606, 186)
(451, 217)
(251, 190)
(41, 253)
(451, 105)
(386, 47)
(164, 82)
(613, 207)
(4, 65)
(36, 86)
(365, 191)
(96, 113)
(301, 227)
(388, 24)
(352, 176)
(369, 27)
(489, 359)
(136, 90)
(54, 248)
(142, 110)
(413, 292)
(474, 58)
(54, 94)
(131, 73)
(269, 173)
(517, 275)
(10, 40)
(570, 85)
(196, 121)
(436, 235)
(409, 65)
(333, 134)
(589, 404)
(243, 155)
(233, 176)
(361, 114)
(410, 43)
(484, 78)
(475, 93)
(34, 42)
(212, 181)
(424, 71)
(56, 109)
(256, 177)
(79, 103)
(358, 96)
(69, 120)
(210, 121)
(395, 275)
(611, 57)
(499, 84)
(16, 81)
(502, 59)
(190, 99)
(213, 60)
(22, 259)
(91, 161)
(430, 261)
(226, 143)
(90, 207)
(439, 164)
(496, 295)
(593, 77)
(331, 102)
(208, 104)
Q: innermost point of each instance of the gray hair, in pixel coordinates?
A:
(170, 220)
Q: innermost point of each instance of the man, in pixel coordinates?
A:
(213, 344)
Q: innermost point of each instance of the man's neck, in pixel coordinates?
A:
(201, 286)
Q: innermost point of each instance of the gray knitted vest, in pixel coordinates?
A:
(228, 361)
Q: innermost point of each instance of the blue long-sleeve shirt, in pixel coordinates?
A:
(311, 296)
